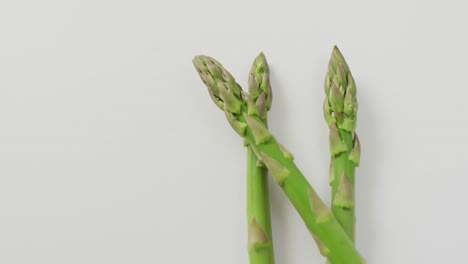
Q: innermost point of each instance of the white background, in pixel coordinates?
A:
(112, 152)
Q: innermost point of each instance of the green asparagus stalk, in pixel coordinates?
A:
(340, 109)
(243, 115)
(258, 205)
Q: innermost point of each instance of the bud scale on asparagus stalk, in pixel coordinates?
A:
(316, 216)
(340, 109)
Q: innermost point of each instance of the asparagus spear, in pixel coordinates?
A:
(243, 115)
(258, 206)
(340, 109)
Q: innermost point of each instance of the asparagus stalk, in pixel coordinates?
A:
(340, 109)
(258, 205)
(243, 115)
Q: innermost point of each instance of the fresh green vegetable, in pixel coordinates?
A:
(243, 116)
(340, 109)
(260, 242)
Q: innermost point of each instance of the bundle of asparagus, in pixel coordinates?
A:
(332, 229)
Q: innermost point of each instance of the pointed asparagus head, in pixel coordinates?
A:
(222, 87)
(259, 83)
(341, 103)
